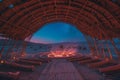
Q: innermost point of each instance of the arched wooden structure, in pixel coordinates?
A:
(97, 18)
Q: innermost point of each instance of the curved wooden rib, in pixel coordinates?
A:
(25, 15)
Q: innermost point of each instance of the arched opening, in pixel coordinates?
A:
(60, 33)
(59, 50)
(65, 39)
(57, 32)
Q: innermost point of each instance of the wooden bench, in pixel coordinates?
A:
(80, 59)
(97, 64)
(9, 75)
(74, 58)
(36, 60)
(89, 61)
(29, 62)
(18, 66)
(110, 68)
(111, 72)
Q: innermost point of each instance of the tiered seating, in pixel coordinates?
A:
(18, 66)
(86, 59)
(72, 59)
(109, 68)
(109, 63)
(28, 62)
(79, 58)
(10, 68)
(112, 72)
(96, 62)
(91, 60)
(100, 63)
(9, 75)
(37, 60)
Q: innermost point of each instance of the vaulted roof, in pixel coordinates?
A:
(97, 18)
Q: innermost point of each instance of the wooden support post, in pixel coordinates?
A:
(104, 55)
(96, 47)
(23, 49)
(25, 46)
(2, 49)
(89, 45)
(115, 48)
(8, 54)
(109, 51)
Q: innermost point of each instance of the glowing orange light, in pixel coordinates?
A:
(1, 61)
(14, 57)
(64, 53)
(23, 55)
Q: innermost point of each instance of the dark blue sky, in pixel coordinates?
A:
(56, 32)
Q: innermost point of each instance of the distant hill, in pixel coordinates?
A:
(34, 48)
(11, 42)
(30, 48)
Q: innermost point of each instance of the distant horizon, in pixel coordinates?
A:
(58, 42)
(56, 32)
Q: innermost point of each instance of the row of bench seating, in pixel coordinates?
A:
(22, 64)
(109, 68)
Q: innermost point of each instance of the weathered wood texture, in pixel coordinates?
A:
(60, 70)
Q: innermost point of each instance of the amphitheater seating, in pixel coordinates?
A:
(89, 61)
(36, 60)
(9, 75)
(110, 68)
(28, 62)
(18, 66)
(98, 64)
(80, 58)
(111, 72)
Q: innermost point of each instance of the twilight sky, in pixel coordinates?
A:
(56, 32)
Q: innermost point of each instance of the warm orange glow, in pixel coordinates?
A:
(64, 53)
(1, 61)
(14, 57)
(106, 59)
(23, 54)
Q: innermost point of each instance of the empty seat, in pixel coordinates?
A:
(110, 68)
(37, 60)
(29, 62)
(111, 72)
(81, 58)
(18, 66)
(100, 63)
(89, 60)
(9, 75)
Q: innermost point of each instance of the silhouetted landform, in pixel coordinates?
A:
(37, 48)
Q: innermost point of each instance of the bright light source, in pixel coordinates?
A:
(1, 61)
(64, 53)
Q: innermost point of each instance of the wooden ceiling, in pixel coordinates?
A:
(97, 18)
